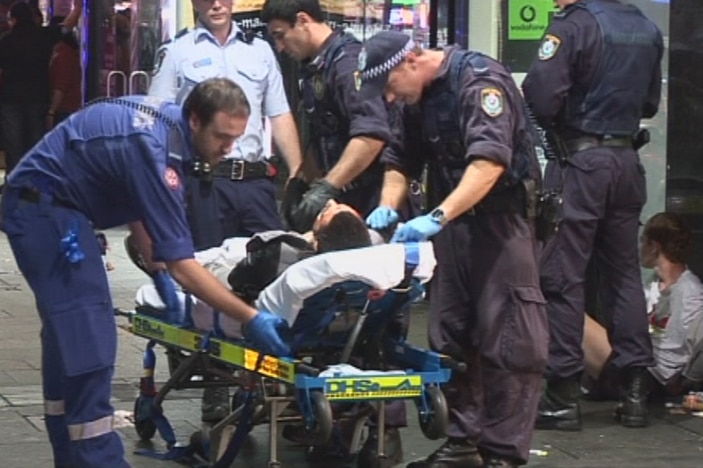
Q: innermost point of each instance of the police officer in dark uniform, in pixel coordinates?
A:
(597, 74)
(347, 136)
(466, 119)
(117, 162)
(347, 133)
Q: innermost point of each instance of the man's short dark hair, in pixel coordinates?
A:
(21, 12)
(286, 10)
(344, 231)
(216, 95)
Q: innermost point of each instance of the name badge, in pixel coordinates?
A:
(202, 62)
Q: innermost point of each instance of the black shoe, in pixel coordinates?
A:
(392, 448)
(559, 407)
(497, 462)
(454, 453)
(632, 410)
(214, 404)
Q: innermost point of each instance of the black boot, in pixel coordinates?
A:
(632, 410)
(559, 406)
(454, 453)
(392, 448)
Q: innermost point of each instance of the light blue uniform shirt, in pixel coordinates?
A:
(197, 55)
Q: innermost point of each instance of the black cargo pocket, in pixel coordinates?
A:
(85, 335)
(525, 334)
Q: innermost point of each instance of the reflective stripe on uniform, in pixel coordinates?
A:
(53, 407)
(91, 429)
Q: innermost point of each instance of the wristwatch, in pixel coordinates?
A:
(438, 215)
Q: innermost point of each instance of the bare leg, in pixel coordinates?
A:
(596, 347)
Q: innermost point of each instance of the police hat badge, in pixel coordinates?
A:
(318, 86)
(362, 60)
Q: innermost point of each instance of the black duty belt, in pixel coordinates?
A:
(235, 169)
(34, 196)
(587, 142)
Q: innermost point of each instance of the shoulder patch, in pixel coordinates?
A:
(550, 46)
(160, 56)
(492, 101)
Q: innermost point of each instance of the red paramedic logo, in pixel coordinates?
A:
(173, 181)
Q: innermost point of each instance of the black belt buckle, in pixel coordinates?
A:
(237, 172)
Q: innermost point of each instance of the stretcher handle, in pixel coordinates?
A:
(302, 368)
(453, 364)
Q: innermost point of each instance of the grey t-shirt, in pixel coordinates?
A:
(682, 302)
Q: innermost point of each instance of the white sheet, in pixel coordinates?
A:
(379, 266)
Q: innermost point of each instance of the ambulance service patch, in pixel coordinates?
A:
(173, 181)
(549, 47)
(492, 101)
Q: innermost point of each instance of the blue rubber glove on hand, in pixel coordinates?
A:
(265, 330)
(417, 229)
(382, 217)
(166, 287)
(412, 254)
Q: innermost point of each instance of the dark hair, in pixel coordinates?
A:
(286, 10)
(672, 233)
(22, 13)
(344, 231)
(216, 95)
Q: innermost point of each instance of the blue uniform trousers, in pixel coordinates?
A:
(79, 338)
(604, 190)
(222, 208)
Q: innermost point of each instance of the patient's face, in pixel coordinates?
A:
(330, 211)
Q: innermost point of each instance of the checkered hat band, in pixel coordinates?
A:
(389, 64)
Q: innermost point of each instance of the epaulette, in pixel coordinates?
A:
(181, 33)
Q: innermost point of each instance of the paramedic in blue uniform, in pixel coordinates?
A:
(466, 119)
(241, 198)
(111, 164)
(347, 133)
(597, 74)
(238, 198)
(348, 137)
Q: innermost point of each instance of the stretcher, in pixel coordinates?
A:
(352, 307)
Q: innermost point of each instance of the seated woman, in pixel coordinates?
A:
(675, 301)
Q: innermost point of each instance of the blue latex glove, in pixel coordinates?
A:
(166, 287)
(417, 229)
(265, 330)
(382, 217)
(412, 254)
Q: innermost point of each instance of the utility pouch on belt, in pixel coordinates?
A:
(550, 214)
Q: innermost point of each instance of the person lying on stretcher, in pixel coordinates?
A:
(338, 229)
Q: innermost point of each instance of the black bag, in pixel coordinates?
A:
(268, 255)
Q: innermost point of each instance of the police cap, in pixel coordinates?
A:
(381, 53)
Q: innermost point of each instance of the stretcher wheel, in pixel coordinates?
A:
(322, 412)
(145, 426)
(434, 422)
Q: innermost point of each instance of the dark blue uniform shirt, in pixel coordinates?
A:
(119, 163)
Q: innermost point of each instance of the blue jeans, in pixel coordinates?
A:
(21, 127)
